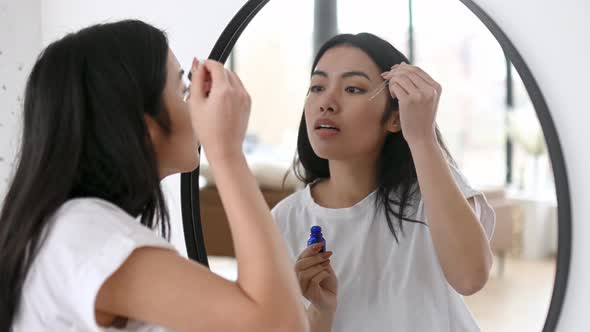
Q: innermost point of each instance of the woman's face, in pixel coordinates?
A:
(177, 151)
(343, 122)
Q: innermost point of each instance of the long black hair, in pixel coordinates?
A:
(396, 173)
(84, 135)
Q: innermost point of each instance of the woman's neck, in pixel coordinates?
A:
(349, 183)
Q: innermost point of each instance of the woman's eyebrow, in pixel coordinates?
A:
(355, 73)
(319, 73)
(344, 75)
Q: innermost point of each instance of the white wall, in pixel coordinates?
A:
(554, 40)
(192, 26)
(20, 19)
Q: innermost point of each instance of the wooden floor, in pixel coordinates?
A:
(519, 300)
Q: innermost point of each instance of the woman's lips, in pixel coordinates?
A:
(327, 132)
(326, 128)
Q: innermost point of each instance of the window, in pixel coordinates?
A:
(273, 59)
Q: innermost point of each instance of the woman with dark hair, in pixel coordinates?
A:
(407, 235)
(106, 118)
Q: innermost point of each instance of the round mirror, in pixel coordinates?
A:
(496, 127)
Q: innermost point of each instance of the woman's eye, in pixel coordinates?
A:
(352, 89)
(316, 88)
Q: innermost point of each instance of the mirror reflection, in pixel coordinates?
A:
(409, 227)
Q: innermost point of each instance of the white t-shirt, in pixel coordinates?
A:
(89, 239)
(383, 285)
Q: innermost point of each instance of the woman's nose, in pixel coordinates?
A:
(329, 102)
(327, 108)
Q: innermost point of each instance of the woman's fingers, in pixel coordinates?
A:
(231, 78)
(311, 262)
(306, 276)
(406, 83)
(331, 270)
(418, 80)
(219, 109)
(219, 76)
(318, 278)
(403, 83)
(239, 85)
(311, 250)
(425, 88)
(237, 82)
(307, 262)
(426, 77)
(415, 86)
(404, 67)
(387, 75)
(402, 87)
(198, 80)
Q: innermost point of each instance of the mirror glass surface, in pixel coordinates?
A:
(485, 116)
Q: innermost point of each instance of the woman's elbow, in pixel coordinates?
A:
(472, 283)
(476, 278)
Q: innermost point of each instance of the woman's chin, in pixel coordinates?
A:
(329, 154)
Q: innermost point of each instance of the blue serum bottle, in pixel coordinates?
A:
(316, 237)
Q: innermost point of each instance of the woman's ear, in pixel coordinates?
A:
(393, 124)
(153, 128)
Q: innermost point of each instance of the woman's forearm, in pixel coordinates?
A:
(265, 271)
(459, 239)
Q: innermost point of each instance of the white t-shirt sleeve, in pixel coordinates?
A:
(484, 212)
(88, 242)
(280, 215)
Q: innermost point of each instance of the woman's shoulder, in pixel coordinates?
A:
(85, 242)
(92, 235)
(89, 206)
(91, 214)
(83, 225)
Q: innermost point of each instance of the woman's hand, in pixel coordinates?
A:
(317, 278)
(418, 95)
(220, 109)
